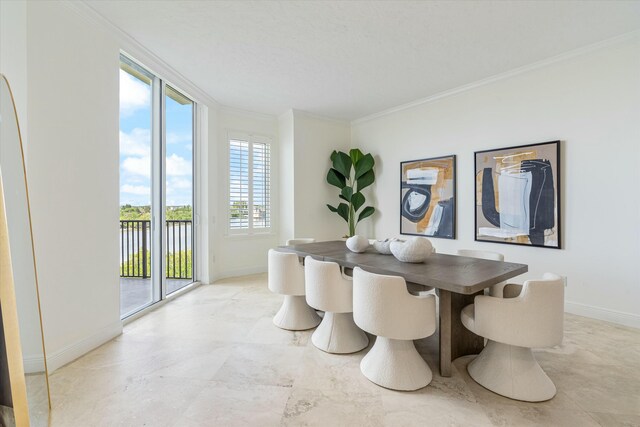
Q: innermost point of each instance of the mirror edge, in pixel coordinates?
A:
(10, 291)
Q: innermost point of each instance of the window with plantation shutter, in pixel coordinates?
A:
(249, 184)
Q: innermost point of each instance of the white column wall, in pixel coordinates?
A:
(72, 157)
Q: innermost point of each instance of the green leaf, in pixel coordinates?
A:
(346, 193)
(335, 178)
(343, 211)
(357, 200)
(342, 197)
(331, 208)
(366, 212)
(364, 165)
(342, 163)
(334, 153)
(355, 155)
(366, 180)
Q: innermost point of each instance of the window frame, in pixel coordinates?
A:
(251, 138)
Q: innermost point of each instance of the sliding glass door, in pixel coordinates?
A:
(156, 188)
(179, 120)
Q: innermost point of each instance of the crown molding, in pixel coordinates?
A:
(502, 76)
(131, 47)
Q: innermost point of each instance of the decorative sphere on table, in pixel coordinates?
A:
(415, 250)
(383, 246)
(357, 243)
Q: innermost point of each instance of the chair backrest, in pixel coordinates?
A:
(285, 273)
(492, 256)
(543, 304)
(300, 241)
(383, 306)
(326, 288)
(532, 319)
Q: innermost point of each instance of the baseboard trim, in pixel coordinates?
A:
(613, 316)
(240, 272)
(72, 351)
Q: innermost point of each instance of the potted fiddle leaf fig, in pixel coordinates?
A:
(351, 173)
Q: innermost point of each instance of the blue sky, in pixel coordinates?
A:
(135, 146)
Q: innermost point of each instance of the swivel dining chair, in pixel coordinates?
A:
(286, 277)
(383, 307)
(330, 291)
(513, 326)
(300, 241)
(497, 289)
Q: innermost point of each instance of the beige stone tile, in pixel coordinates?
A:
(156, 401)
(265, 332)
(340, 372)
(311, 407)
(616, 420)
(598, 388)
(416, 408)
(261, 364)
(524, 416)
(229, 405)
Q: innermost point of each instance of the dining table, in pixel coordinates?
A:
(457, 279)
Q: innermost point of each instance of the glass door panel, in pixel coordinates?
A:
(178, 227)
(136, 146)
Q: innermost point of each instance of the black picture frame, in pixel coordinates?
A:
(446, 207)
(530, 185)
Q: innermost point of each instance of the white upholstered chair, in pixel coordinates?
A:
(513, 326)
(497, 289)
(328, 290)
(286, 277)
(300, 241)
(383, 307)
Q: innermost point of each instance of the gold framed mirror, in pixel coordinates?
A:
(24, 384)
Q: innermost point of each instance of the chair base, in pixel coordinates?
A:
(339, 334)
(396, 364)
(512, 372)
(295, 314)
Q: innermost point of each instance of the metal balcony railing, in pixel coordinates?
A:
(135, 249)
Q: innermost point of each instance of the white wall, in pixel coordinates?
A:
(592, 103)
(237, 255)
(13, 55)
(73, 174)
(286, 146)
(314, 140)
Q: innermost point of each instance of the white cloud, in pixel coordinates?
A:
(178, 166)
(137, 166)
(140, 190)
(133, 94)
(176, 138)
(135, 143)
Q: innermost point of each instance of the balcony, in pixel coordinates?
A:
(135, 261)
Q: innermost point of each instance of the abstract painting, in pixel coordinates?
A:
(518, 195)
(428, 197)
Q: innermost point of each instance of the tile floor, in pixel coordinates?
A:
(212, 357)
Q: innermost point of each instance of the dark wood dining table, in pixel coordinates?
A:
(458, 280)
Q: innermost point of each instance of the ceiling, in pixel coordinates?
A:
(349, 59)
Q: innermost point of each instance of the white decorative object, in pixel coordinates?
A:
(286, 277)
(357, 243)
(415, 250)
(383, 307)
(383, 246)
(513, 326)
(328, 290)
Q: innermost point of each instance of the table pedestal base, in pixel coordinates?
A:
(455, 339)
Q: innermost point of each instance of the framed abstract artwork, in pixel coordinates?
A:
(428, 197)
(517, 195)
